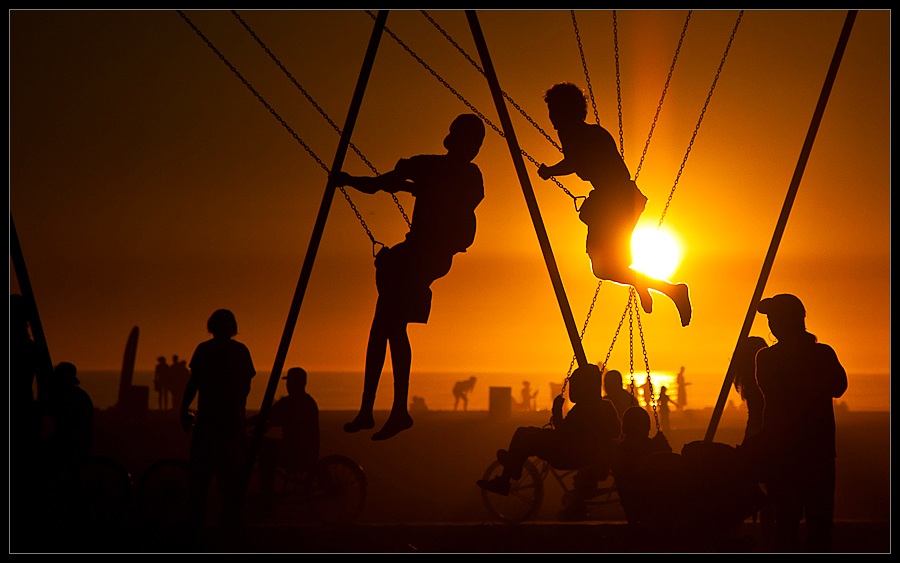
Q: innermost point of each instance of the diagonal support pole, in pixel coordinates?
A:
(318, 229)
(527, 189)
(782, 219)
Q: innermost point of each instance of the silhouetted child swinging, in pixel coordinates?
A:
(447, 189)
(584, 437)
(615, 204)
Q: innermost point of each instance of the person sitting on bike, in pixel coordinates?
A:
(297, 414)
(584, 437)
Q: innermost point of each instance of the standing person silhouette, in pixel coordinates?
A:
(799, 378)
(221, 370)
(447, 189)
(461, 390)
(614, 205)
(161, 383)
(745, 382)
(663, 407)
(681, 390)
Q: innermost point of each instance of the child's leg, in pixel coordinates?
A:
(401, 361)
(375, 354)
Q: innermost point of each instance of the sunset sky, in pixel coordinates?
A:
(149, 187)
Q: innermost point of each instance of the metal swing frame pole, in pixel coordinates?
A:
(782, 219)
(527, 189)
(316, 238)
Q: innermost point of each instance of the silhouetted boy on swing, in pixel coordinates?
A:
(584, 437)
(615, 204)
(447, 189)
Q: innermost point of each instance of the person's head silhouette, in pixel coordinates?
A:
(296, 381)
(636, 423)
(786, 314)
(566, 104)
(222, 324)
(612, 381)
(584, 384)
(66, 374)
(465, 137)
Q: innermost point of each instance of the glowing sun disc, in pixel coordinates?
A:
(655, 252)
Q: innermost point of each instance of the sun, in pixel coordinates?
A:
(655, 252)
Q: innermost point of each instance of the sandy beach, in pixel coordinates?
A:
(422, 494)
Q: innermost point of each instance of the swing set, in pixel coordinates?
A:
(505, 130)
(518, 155)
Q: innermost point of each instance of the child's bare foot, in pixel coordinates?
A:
(682, 300)
(394, 425)
(361, 422)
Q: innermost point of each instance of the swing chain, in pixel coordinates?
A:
(583, 329)
(280, 120)
(663, 96)
(587, 77)
(317, 107)
(700, 120)
(646, 364)
(470, 106)
(618, 85)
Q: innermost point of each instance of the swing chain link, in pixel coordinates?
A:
(318, 108)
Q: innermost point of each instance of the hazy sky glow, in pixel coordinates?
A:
(149, 187)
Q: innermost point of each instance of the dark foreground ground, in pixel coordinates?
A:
(422, 495)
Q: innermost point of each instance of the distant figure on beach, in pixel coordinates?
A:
(681, 390)
(72, 412)
(799, 378)
(584, 437)
(447, 189)
(221, 370)
(744, 368)
(620, 397)
(647, 391)
(297, 415)
(528, 398)
(461, 390)
(161, 383)
(417, 404)
(663, 407)
(614, 205)
(179, 375)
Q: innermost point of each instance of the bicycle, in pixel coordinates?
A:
(102, 483)
(526, 494)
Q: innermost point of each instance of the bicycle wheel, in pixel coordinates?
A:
(107, 487)
(163, 493)
(338, 491)
(525, 495)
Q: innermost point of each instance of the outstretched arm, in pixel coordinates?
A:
(390, 182)
(561, 168)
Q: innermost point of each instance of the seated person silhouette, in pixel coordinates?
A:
(297, 415)
(614, 205)
(584, 437)
(447, 189)
(630, 457)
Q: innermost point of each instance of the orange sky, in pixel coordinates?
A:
(149, 187)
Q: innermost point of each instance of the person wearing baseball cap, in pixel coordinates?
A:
(799, 378)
